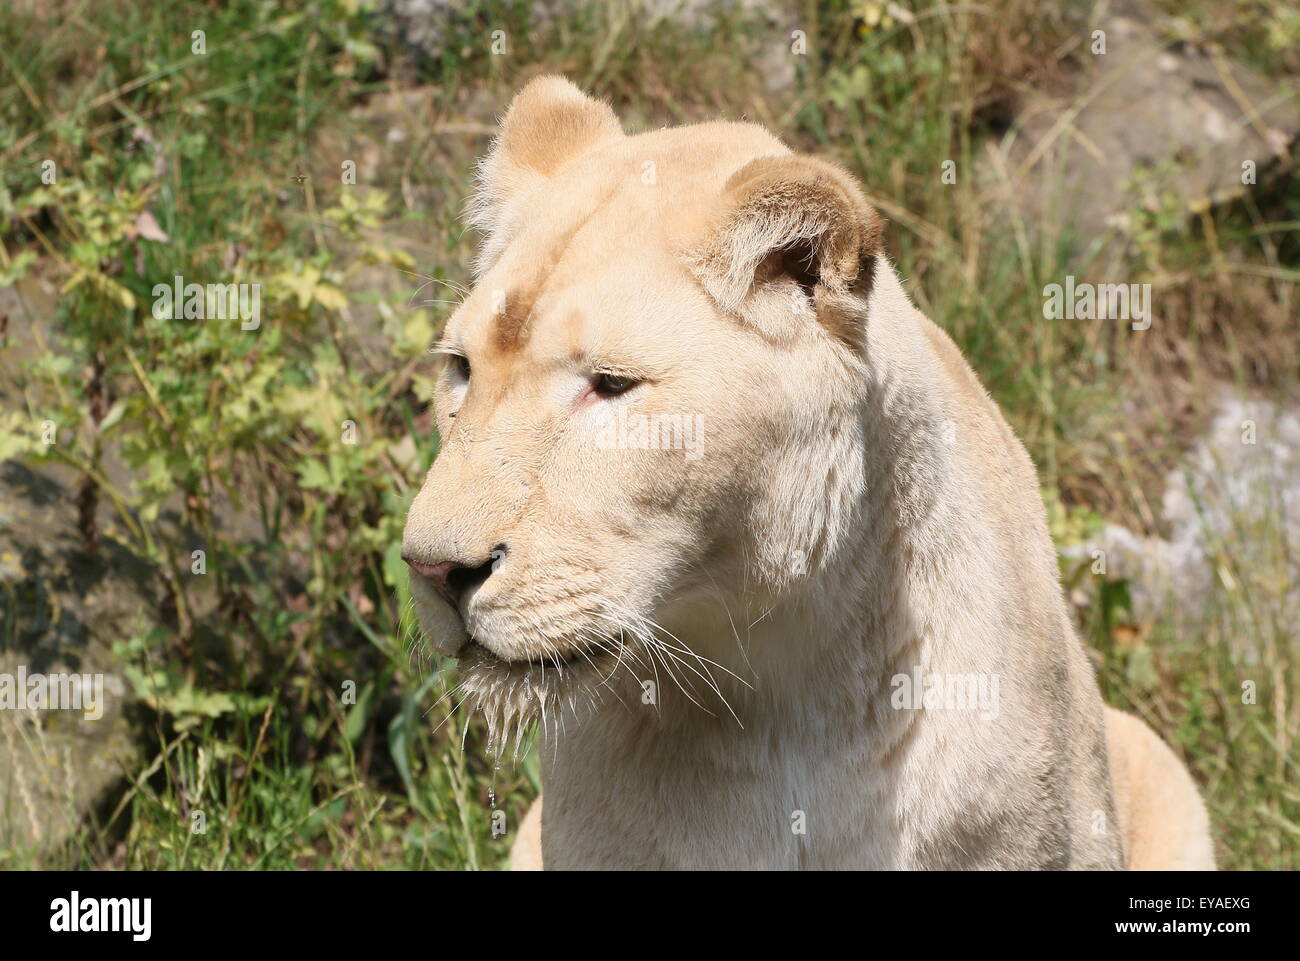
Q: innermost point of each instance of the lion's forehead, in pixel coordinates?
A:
(595, 260)
(602, 290)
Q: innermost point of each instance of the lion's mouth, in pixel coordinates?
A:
(513, 692)
(557, 659)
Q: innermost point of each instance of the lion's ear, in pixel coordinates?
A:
(790, 231)
(549, 123)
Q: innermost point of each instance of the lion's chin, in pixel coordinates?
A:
(513, 694)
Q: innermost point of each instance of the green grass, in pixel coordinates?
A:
(243, 677)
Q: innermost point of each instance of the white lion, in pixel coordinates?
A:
(711, 644)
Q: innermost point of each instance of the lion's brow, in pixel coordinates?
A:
(510, 326)
(512, 315)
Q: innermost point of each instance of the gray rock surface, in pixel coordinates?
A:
(1233, 515)
(422, 29)
(60, 614)
(1150, 118)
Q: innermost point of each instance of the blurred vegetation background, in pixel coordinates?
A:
(277, 710)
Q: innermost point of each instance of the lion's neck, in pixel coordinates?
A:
(801, 771)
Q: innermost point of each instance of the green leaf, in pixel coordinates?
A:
(314, 475)
(17, 268)
(113, 416)
(169, 694)
(359, 716)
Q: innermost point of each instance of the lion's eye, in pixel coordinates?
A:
(611, 385)
(461, 365)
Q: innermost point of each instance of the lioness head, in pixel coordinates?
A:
(646, 403)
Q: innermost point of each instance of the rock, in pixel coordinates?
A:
(422, 29)
(60, 615)
(419, 27)
(1231, 511)
(1149, 119)
(61, 612)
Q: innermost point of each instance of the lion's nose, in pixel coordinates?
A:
(452, 578)
(439, 575)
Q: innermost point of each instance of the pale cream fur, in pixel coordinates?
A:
(859, 509)
(1161, 816)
